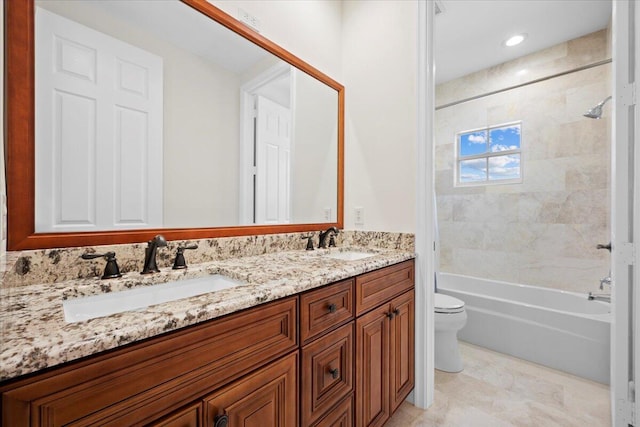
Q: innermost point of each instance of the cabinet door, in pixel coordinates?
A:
(401, 354)
(265, 398)
(372, 368)
(185, 417)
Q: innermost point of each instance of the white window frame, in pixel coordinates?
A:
(486, 155)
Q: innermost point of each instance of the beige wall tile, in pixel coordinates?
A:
(542, 231)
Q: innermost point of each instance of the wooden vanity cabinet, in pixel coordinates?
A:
(335, 356)
(158, 378)
(385, 342)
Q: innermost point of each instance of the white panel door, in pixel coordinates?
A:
(273, 153)
(99, 104)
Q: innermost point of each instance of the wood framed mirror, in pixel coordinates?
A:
(26, 181)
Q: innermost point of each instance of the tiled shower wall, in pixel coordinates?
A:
(544, 230)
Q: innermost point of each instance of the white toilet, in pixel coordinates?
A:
(450, 317)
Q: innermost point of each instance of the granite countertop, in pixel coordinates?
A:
(34, 334)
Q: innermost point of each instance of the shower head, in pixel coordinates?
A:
(596, 112)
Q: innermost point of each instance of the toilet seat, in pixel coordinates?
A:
(447, 304)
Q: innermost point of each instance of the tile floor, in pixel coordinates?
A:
(496, 390)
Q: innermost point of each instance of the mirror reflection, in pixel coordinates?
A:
(150, 114)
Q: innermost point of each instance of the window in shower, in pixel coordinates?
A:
(490, 155)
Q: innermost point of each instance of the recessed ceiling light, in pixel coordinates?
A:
(515, 40)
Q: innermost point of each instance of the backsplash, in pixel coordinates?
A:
(22, 268)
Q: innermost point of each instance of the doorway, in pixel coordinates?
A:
(266, 149)
(624, 195)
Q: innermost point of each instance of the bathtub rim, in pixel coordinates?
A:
(603, 317)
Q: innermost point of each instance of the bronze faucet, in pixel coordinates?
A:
(150, 265)
(331, 231)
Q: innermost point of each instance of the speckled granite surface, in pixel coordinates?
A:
(34, 334)
(60, 265)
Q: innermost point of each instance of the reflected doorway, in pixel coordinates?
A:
(266, 146)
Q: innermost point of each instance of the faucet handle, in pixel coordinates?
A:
(309, 241)
(605, 281)
(601, 246)
(111, 270)
(180, 263)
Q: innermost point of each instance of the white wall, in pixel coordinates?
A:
(315, 151)
(379, 68)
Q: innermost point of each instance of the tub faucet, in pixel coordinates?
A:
(150, 265)
(605, 281)
(599, 297)
(331, 231)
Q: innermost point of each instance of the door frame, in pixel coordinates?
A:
(624, 223)
(425, 219)
(247, 115)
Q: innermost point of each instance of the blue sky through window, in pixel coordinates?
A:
(472, 143)
(505, 138)
(504, 167)
(473, 170)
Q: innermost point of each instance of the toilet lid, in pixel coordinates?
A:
(447, 304)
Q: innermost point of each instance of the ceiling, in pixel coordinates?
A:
(469, 34)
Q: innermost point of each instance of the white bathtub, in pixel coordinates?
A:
(558, 329)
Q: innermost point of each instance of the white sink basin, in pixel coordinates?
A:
(349, 255)
(79, 309)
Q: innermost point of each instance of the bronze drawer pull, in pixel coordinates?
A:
(221, 421)
(335, 373)
(332, 308)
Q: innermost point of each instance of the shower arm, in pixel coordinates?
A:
(604, 101)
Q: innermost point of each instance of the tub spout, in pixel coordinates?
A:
(599, 297)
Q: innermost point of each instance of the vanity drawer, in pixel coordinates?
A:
(373, 289)
(323, 309)
(326, 373)
(339, 416)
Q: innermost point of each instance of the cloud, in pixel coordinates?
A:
(477, 164)
(513, 171)
(501, 147)
(503, 161)
(468, 177)
(504, 167)
(477, 138)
